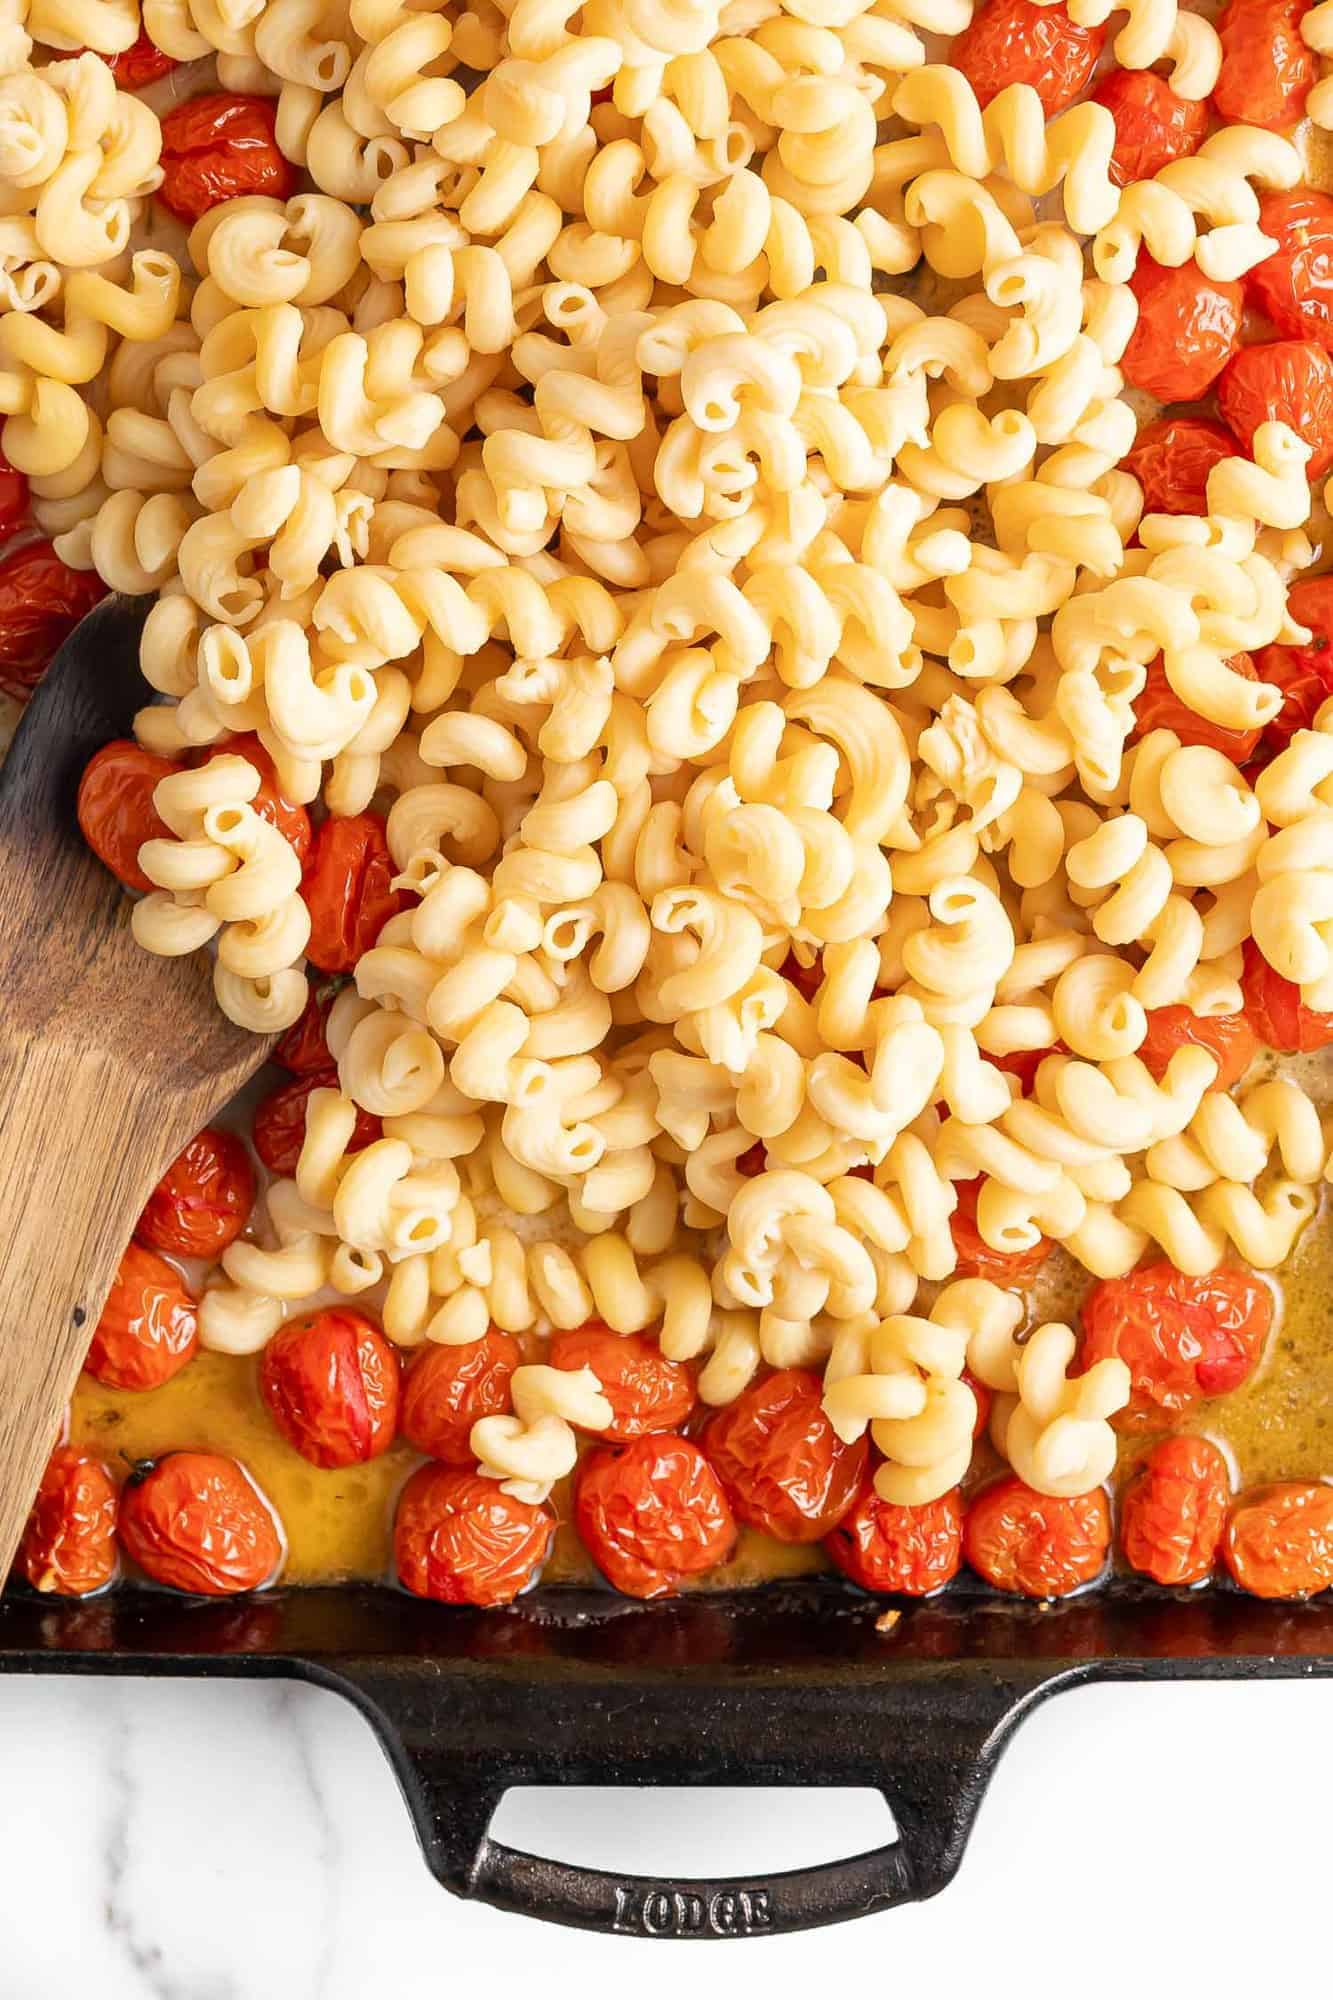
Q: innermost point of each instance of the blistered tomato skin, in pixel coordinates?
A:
(646, 1391)
(203, 1200)
(143, 62)
(1152, 125)
(1181, 1337)
(1281, 381)
(1294, 285)
(13, 498)
(195, 1523)
(1173, 1511)
(651, 1513)
(785, 1469)
(149, 1327)
(116, 811)
(270, 801)
(447, 1390)
(347, 890)
(1279, 1540)
(1303, 673)
(1013, 41)
(976, 1258)
(41, 601)
(304, 1049)
(909, 1551)
(69, 1545)
(1276, 1011)
(1034, 1545)
(1267, 68)
(459, 1539)
(331, 1383)
(279, 1124)
(1158, 706)
(1188, 329)
(1229, 1037)
(1172, 458)
(217, 147)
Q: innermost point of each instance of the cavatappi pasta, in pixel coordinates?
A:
(663, 592)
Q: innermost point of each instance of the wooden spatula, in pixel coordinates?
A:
(110, 1059)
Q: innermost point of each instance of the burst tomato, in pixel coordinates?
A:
(460, 1539)
(195, 1523)
(1279, 1540)
(752, 1161)
(982, 1397)
(304, 1049)
(652, 1512)
(645, 1390)
(1180, 1337)
(1282, 381)
(270, 802)
(41, 601)
(807, 979)
(1034, 1544)
(1172, 458)
(1304, 673)
(449, 1388)
(909, 1550)
(13, 498)
(1227, 1036)
(69, 1544)
(203, 1200)
(330, 1380)
(220, 146)
(279, 1125)
(1174, 1509)
(1152, 125)
(142, 62)
(1294, 284)
(1013, 41)
(1159, 707)
(347, 890)
(1188, 329)
(148, 1329)
(116, 810)
(784, 1467)
(1277, 1013)
(976, 1258)
(1024, 1064)
(1267, 68)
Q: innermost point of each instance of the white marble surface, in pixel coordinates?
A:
(232, 1841)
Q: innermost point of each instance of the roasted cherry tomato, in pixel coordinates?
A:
(1173, 1511)
(203, 1200)
(194, 1522)
(783, 1465)
(69, 1544)
(645, 1390)
(142, 62)
(1279, 1540)
(41, 601)
(1294, 285)
(807, 979)
(13, 498)
(976, 1258)
(331, 1383)
(448, 1388)
(148, 1329)
(1227, 1036)
(1180, 1337)
(1304, 673)
(910, 1550)
(652, 1512)
(116, 810)
(1172, 458)
(220, 146)
(1282, 381)
(1188, 329)
(1267, 69)
(304, 1049)
(753, 1160)
(1024, 1064)
(1034, 1544)
(346, 888)
(270, 802)
(279, 1127)
(1277, 1013)
(982, 1397)
(1152, 125)
(1160, 707)
(461, 1539)
(1013, 41)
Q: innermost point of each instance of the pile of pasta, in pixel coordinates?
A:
(741, 640)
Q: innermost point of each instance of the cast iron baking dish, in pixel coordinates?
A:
(786, 1685)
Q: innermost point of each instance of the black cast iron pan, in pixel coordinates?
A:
(787, 1685)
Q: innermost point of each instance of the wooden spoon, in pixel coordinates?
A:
(110, 1059)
